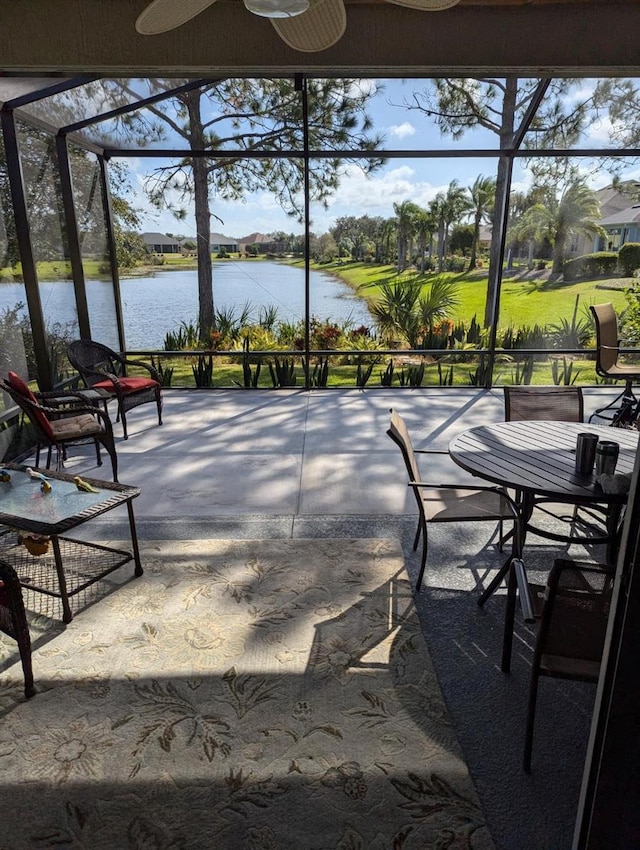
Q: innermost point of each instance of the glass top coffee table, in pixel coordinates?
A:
(68, 566)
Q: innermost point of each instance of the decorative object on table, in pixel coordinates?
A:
(586, 445)
(5, 476)
(45, 487)
(35, 544)
(606, 457)
(620, 483)
(83, 485)
(36, 476)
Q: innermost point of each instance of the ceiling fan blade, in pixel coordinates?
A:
(164, 15)
(320, 27)
(426, 5)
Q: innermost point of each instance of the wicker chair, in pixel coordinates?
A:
(13, 621)
(448, 502)
(70, 422)
(102, 368)
(571, 612)
(608, 363)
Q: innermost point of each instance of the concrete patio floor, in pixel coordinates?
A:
(277, 462)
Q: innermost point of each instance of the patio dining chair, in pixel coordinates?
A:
(68, 421)
(554, 403)
(13, 621)
(562, 404)
(571, 612)
(448, 502)
(608, 358)
(101, 368)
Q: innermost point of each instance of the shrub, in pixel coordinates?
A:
(629, 258)
(590, 265)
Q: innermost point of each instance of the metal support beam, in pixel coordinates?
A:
(72, 236)
(25, 247)
(111, 249)
(301, 85)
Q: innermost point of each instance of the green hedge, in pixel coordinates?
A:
(590, 265)
(629, 258)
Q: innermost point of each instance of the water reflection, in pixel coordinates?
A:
(154, 305)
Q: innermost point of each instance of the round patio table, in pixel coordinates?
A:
(537, 460)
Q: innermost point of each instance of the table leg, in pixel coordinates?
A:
(67, 616)
(526, 509)
(134, 540)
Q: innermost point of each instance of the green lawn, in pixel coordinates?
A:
(525, 301)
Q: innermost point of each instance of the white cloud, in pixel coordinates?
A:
(402, 131)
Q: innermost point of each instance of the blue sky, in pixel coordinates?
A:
(418, 180)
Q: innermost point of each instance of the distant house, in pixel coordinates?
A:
(160, 243)
(621, 227)
(265, 243)
(618, 216)
(218, 242)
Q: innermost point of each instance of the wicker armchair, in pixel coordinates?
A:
(101, 368)
(69, 421)
(13, 621)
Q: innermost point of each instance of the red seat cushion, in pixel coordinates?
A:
(19, 386)
(128, 385)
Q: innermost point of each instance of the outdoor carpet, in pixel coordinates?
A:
(260, 694)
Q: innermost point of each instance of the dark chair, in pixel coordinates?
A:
(571, 612)
(563, 404)
(70, 422)
(448, 502)
(13, 621)
(102, 368)
(608, 362)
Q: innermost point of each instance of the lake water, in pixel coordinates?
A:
(154, 305)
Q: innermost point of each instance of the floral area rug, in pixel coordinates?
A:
(259, 694)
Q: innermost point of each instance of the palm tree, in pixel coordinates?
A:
(404, 308)
(483, 194)
(576, 214)
(437, 303)
(532, 227)
(448, 207)
(426, 225)
(405, 213)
